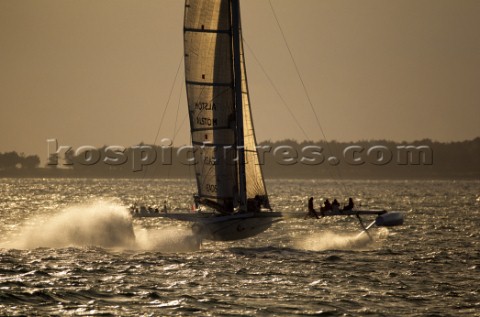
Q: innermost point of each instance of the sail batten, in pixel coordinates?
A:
(207, 83)
(206, 31)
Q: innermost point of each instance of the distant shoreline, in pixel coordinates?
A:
(384, 175)
(375, 159)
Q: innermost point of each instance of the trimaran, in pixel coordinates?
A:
(229, 177)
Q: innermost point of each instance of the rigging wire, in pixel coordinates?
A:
(277, 91)
(174, 135)
(169, 98)
(297, 70)
(178, 111)
(180, 126)
(164, 113)
(304, 88)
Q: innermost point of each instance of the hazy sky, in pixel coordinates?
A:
(96, 72)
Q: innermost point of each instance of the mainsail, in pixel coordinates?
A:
(211, 32)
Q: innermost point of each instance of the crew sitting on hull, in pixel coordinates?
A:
(350, 205)
(327, 206)
(312, 213)
(164, 209)
(335, 205)
(142, 210)
(254, 204)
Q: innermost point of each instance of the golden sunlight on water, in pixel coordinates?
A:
(68, 247)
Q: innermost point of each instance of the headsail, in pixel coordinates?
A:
(253, 170)
(210, 79)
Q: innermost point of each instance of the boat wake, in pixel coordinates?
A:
(105, 224)
(169, 240)
(329, 240)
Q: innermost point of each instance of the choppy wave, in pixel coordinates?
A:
(62, 257)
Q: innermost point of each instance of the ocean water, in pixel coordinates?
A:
(68, 247)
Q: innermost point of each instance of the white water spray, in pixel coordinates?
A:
(105, 224)
(329, 240)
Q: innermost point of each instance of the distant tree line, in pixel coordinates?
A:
(373, 159)
(13, 160)
(442, 160)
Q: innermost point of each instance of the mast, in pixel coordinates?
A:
(239, 103)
